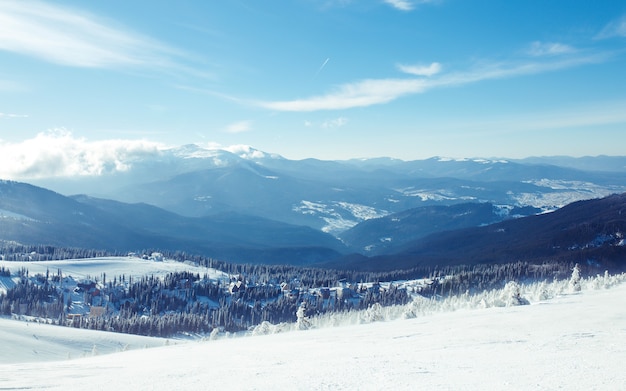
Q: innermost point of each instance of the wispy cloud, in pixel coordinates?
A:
(616, 28)
(335, 123)
(597, 114)
(421, 70)
(359, 94)
(407, 5)
(379, 91)
(59, 154)
(239, 127)
(402, 5)
(70, 37)
(503, 70)
(540, 49)
(209, 92)
(9, 115)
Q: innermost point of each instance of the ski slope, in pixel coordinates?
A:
(574, 341)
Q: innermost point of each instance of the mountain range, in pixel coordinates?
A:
(255, 207)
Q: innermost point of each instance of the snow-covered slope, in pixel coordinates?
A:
(131, 266)
(573, 341)
(38, 342)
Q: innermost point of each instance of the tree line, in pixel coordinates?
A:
(185, 302)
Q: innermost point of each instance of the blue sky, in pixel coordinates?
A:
(329, 79)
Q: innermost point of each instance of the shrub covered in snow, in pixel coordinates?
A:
(511, 296)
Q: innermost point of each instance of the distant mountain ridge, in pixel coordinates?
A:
(390, 233)
(33, 215)
(334, 196)
(251, 206)
(586, 232)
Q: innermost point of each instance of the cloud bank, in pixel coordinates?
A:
(58, 154)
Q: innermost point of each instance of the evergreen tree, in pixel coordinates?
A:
(574, 281)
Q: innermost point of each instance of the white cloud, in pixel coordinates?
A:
(213, 145)
(402, 5)
(421, 70)
(616, 28)
(239, 127)
(539, 49)
(244, 151)
(69, 37)
(406, 5)
(58, 154)
(379, 91)
(360, 94)
(335, 123)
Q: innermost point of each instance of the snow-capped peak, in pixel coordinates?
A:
(193, 151)
(249, 153)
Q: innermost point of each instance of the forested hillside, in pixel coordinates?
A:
(244, 297)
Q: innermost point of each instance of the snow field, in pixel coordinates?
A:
(32, 341)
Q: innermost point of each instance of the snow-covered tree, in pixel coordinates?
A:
(512, 295)
(373, 314)
(302, 321)
(574, 281)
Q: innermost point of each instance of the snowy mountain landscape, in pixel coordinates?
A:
(247, 206)
(568, 337)
(254, 272)
(312, 195)
(333, 196)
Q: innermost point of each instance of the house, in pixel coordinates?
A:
(324, 293)
(157, 257)
(95, 311)
(86, 284)
(73, 318)
(236, 286)
(375, 288)
(344, 293)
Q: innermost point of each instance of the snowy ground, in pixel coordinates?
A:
(112, 266)
(574, 341)
(31, 342)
